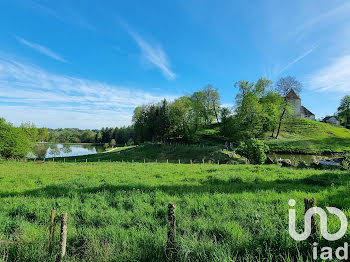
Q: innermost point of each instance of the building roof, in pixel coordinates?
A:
(292, 95)
(306, 111)
(328, 117)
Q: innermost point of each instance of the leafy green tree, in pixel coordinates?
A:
(87, 136)
(14, 142)
(249, 110)
(254, 150)
(43, 134)
(271, 104)
(30, 131)
(344, 111)
(113, 143)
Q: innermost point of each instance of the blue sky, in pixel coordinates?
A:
(87, 64)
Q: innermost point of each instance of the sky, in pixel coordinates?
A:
(88, 64)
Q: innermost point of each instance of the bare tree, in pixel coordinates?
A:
(283, 86)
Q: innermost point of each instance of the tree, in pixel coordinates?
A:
(344, 111)
(43, 134)
(271, 104)
(249, 110)
(113, 143)
(14, 142)
(283, 86)
(87, 136)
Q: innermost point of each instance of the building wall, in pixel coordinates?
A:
(296, 107)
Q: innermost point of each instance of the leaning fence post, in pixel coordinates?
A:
(52, 230)
(309, 203)
(63, 237)
(171, 243)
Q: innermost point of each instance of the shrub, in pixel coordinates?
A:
(14, 142)
(254, 150)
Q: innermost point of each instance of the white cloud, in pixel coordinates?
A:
(29, 93)
(334, 77)
(41, 49)
(154, 54)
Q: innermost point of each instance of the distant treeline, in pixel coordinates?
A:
(116, 136)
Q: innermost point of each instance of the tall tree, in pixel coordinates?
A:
(344, 111)
(283, 86)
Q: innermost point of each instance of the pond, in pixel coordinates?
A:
(47, 150)
(298, 157)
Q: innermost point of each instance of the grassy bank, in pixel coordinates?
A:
(306, 136)
(160, 153)
(118, 211)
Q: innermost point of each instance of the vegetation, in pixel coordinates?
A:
(254, 150)
(307, 136)
(118, 212)
(344, 111)
(14, 142)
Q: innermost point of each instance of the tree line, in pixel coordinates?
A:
(259, 107)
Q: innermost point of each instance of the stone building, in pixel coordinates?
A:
(299, 110)
(331, 120)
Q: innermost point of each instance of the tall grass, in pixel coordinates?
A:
(117, 211)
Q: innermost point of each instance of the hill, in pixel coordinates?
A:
(118, 211)
(307, 136)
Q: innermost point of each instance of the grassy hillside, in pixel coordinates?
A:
(306, 136)
(160, 153)
(118, 211)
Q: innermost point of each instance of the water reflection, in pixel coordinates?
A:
(44, 150)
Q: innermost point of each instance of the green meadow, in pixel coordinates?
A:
(307, 136)
(118, 211)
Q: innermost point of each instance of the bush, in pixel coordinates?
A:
(14, 142)
(254, 150)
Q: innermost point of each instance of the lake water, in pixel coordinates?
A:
(298, 157)
(47, 150)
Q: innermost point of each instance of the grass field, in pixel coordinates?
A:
(118, 211)
(306, 136)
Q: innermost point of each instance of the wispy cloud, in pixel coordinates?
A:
(334, 77)
(29, 93)
(154, 54)
(296, 60)
(41, 49)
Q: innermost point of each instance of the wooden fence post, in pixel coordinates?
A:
(191, 161)
(144, 161)
(167, 161)
(63, 237)
(171, 242)
(75, 160)
(64, 160)
(179, 161)
(203, 161)
(218, 162)
(309, 203)
(52, 230)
